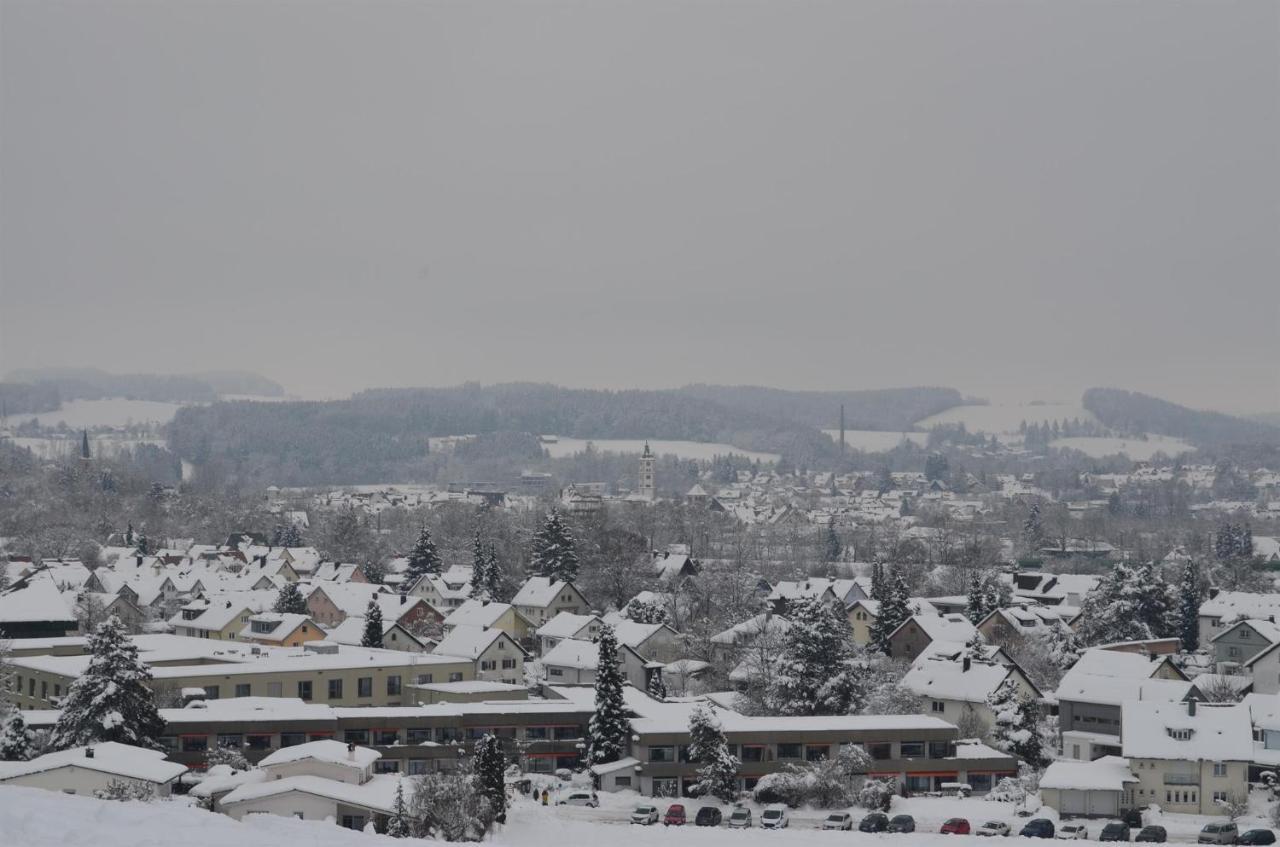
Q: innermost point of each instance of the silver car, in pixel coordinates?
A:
(1218, 833)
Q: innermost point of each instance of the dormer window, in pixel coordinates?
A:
(263, 626)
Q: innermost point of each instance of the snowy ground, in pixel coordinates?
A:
(57, 448)
(1139, 450)
(874, 441)
(1006, 418)
(82, 414)
(701, 450)
(36, 818)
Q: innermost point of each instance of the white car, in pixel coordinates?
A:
(775, 817)
(580, 798)
(645, 815)
(740, 818)
(1072, 832)
(992, 828)
(839, 820)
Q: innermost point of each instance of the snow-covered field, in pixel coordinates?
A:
(81, 414)
(57, 448)
(701, 450)
(1006, 418)
(875, 441)
(1136, 449)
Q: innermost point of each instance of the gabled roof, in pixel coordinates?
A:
(582, 655)
(108, 757)
(333, 752)
(566, 625)
(34, 599)
(752, 628)
(948, 679)
(539, 591)
(470, 641)
(953, 627)
(477, 613)
(1154, 730)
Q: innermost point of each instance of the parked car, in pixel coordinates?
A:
(1038, 828)
(1257, 836)
(1153, 834)
(955, 826)
(775, 817)
(840, 820)
(580, 798)
(674, 816)
(740, 818)
(902, 823)
(707, 816)
(992, 828)
(645, 815)
(1115, 832)
(1218, 833)
(1072, 831)
(874, 822)
(1133, 817)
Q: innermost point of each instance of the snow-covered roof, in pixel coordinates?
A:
(470, 641)
(625, 763)
(333, 752)
(377, 794)
(36, 599)
(1230, 605)
(1110, 773)
(566, 625)
(952, 627)
(573, 653)
(222, 778)
(476, 613)
(538, 591)
(752, 628)
(108, 757)
(1186, 731)
(945, 679)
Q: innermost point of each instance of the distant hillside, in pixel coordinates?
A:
(889, 409)
(381, 434)
(1268, 418)
(1129, 411)
(23, 398)
(94, 384)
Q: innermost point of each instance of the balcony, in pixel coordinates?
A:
(1181, 779)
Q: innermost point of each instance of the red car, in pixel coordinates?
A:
(955, 826)
(674, 816)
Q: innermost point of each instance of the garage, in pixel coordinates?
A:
(1087, 789)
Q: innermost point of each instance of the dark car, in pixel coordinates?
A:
(1115, 832)
(1257, 836)
(874, 822)
(1132, 817)
(1153, 834)
(902, 823)
(1038, 828)
(707, 816)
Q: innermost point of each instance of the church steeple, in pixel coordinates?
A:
(647, 488)
(84, 445)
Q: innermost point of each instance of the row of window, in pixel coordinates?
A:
(31, 688)
(492, 664)
(261, 742)
(809, 752)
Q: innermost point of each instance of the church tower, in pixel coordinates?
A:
(647, 489)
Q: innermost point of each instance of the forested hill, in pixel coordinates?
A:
(891, 409)
(382, 434)
(1129, 411)
(94, 384)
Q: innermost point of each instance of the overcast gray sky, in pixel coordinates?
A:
(1018, 199)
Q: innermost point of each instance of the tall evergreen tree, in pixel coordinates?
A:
(657, 689)
(289, 600)
(1033, 528)
(1018, 726)
(877, 581)
(609, 728)
(490, 769)
(976, 606)
(372, 626)
(494, 579)
(833, 546)
(812, 676)
(480, 581)
(423, 558)
(555, 554)
(110, 701)
(894, 610)
(398, 825)
(708, 748)
(1189, 597)
(1128, 604)
(15, 739)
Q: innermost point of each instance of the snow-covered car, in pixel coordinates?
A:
(839, 820)
(775, 817)
(1072, 831)
(740, 818)
(645, 815)
(993, 828)
(580, 798)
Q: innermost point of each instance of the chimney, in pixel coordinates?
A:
(351, 751)
(88, 752)
(968, 663)
(1191, 707)
(404, 598)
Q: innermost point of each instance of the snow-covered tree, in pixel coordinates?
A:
(286, 535)
(657, 689)
(490, 765)
(645, 611)
(555, 552)
(126, 789)
(229, 756)
(423, 558)
(813, 675)
(1128, 604)
(609, 728)
(450, 806)
(878, 585)
(895, 609)
(289, 600)
(1033, 528)
(398, 824)
(1189, 596)
(1018, 727)
(480, 581)
(832, 545)
(717, 768)
(876, 794)
(15, 739)
(110, 701)
(372, 636)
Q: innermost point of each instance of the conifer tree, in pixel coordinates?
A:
(15, 739)
(1018, 728)
(877, 581)
(894, 610)
(657, 688)
(1189, 597)
(490, 770)
(812, 675)
(833, 547)
(480, 581)
(610, 728)
(423, 558)
(708, 748)
(110, 701)
(976, 607)
(289, 601)
(372, 626)
(493, 573)
(1033, 528)
(398, 823)
(555, 554)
